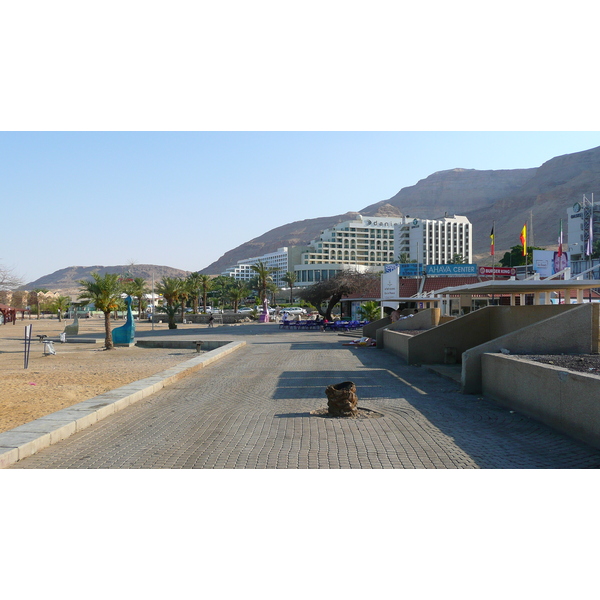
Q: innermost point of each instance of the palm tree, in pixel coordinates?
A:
(136, 288)
(370, 310)
(61, 305)
(170, 288)
(290, 279)
(220, 286)
(263, 273)
(194, 283)
(236, 292)
(206, 286)
(105, 293)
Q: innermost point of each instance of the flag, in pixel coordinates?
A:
(492, 236)
(590, 242)
(560, 240)
(524, 239)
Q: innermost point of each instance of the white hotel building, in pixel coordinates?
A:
(277, 261)
(434, 241)
(366, 244)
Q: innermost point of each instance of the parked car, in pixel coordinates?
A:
(260, 309)
(245, 309)
(210, 309)
(294, 310)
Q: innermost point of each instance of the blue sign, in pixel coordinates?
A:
(464, 270)
(411, 269)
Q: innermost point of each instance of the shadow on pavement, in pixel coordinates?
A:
(491, 435)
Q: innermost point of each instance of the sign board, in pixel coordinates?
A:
(453, 270)
(411, 269)
(390, 283)
(406, 269)
(498, 271)
(547, 262)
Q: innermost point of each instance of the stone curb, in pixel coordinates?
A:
(27, 439)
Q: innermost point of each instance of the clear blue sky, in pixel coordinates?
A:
(183, 199)
(233, 92)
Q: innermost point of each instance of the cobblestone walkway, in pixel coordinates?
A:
(251, 410)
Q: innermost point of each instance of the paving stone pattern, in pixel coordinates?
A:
(251, 410)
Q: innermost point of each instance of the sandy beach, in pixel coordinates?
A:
(77, 371)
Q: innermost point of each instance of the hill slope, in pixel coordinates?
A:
(66, 279)
(509, 197)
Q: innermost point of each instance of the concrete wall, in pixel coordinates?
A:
(574, 331)
(564, 400)
(394, 342)
(207, 345)
(465, 332)
(424, 319)
(371, 329)
(228, 318)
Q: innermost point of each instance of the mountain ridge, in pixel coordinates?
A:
(506, 197)
(66, 279)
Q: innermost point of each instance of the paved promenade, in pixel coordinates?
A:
(251, 410)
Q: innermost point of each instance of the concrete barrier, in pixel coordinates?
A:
(371, 329)
(565, 400)
(470, 330)
(424, 319)
(207, 345)
(574, 331)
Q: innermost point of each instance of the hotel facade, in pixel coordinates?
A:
(277, 261)
(434, 241)
(367, 244)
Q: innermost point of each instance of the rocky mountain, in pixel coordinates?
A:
(509, 197)
(66, 280)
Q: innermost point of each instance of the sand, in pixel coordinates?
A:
(77, 371)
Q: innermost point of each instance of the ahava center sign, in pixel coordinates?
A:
(458, 269)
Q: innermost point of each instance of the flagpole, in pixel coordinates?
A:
(591, 233)
(494, 253)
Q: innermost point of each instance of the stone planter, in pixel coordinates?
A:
(342, 399)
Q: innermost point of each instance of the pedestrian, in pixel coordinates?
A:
(211, 320)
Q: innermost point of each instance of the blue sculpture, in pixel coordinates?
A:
(125, 335)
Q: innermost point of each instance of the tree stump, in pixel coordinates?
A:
(342, 399)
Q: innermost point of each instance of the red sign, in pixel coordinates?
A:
(501, 271)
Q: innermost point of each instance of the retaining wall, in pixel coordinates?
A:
(574, 331)
(565, 400)
(468, 331)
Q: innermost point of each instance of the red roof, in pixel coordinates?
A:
(437, 283)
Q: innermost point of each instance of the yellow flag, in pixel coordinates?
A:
(524, 239)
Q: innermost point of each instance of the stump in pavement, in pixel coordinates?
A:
(342, 399)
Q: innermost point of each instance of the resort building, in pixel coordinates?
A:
(433, 241)
(277, 261)
(367, 244)
(363, 244)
